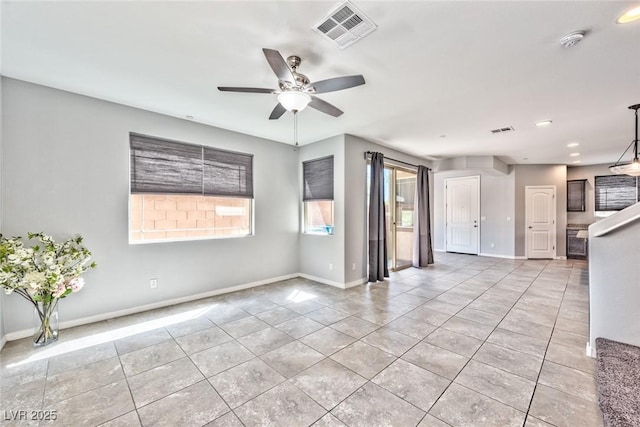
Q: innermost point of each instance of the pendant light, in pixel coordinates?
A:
(632, 168)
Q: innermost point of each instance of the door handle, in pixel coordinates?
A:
(530, 227)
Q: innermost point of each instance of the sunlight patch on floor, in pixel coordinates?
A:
(299, 296)
(112, 335)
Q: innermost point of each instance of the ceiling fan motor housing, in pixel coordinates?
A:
(294, 61)
(301, 80)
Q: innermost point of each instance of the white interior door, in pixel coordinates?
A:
(462, 205)
(540, 221)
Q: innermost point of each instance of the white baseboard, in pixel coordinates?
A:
(591, 351)
(560, 257)
(489, 255)
(500, 256)
(11, 336)
(325, 281)
(358, 282)
(336, 284)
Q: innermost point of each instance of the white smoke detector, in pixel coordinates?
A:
(572, 39)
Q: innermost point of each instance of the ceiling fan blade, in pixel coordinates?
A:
(337, 83)
(325, 107)
(245, 89)
(278, 65)
(277, 112)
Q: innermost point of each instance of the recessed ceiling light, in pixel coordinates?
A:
(572, 144)
(574, 154)
(443, 136)
(630, 16)
(543, 123)
(577, 161)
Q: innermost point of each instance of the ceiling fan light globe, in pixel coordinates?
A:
(294, 100)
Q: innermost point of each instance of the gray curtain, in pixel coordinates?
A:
(422, 247)
(378, 269)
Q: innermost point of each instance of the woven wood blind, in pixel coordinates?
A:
(318, 179)
(169, 167)
(615, 192)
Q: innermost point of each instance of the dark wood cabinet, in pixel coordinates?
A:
(576, 195)
(576, 248)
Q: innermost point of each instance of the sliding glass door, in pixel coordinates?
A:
(399, 194)
(402, 183)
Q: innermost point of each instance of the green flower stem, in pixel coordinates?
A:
(45, 332)
(24, 294)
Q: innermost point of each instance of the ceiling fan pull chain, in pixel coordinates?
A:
(295, 129)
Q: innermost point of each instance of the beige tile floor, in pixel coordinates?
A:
(470, 341)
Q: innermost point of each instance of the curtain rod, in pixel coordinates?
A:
(368, 153)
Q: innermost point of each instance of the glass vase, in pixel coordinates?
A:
(45, 323)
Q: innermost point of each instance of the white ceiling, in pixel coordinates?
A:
(432, 68)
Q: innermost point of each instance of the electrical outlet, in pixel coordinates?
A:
(353, 266)
(153, 283)
(330, 267)
(493, 245)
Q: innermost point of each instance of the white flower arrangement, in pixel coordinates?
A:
(43, 273)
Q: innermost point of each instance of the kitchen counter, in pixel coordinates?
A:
(577, 226)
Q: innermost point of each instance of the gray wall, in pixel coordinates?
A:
(66, 171)
(316, 252)
(497, 203)
(614, 279)
(356, 201)
(348, 246)
(541, 175)
(2, 331)
(588, 173)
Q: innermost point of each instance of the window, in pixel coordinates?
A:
(183, 191)
(318, 195)
(616, 192)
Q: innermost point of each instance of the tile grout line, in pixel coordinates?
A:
(485, 340)
(544, 357)
(135, 408)
(419, 341)
(385, 325)
(547, 348)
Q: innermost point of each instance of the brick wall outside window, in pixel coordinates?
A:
(176, 217)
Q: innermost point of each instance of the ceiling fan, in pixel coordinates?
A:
(295, 90)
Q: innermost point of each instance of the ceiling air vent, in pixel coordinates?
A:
(344, 25)
(500, 130)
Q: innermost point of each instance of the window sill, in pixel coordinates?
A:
(317, 233)
(186, 239)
